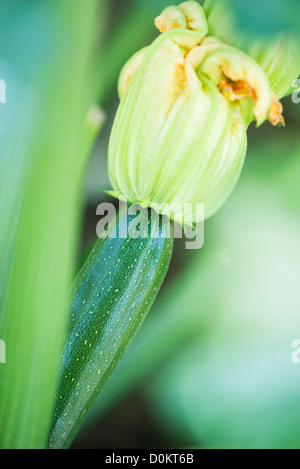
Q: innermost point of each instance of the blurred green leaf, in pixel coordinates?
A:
(46, 49)
(268, 17)
(254, 18)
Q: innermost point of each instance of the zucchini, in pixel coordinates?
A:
(111, 296)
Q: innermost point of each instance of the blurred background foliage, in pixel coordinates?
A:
(45, 54)
(267, 17)
(211, 366)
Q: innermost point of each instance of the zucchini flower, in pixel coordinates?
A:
(180, 134)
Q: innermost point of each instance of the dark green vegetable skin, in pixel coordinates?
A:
(111, 296)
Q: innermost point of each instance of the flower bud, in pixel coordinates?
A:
(179, 136)
(188, 15)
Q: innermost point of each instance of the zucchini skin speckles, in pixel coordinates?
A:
(111, 296)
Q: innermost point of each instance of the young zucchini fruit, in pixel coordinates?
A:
(110, 298)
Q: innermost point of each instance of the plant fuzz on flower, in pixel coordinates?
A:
(180, 134)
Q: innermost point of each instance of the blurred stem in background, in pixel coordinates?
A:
(45, 49)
